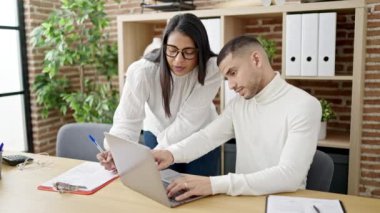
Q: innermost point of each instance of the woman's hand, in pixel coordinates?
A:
(106, 160)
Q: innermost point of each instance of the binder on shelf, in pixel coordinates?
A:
(213, 28)
(85, 179)
(309, 44)
(293, 45)
(326, 43)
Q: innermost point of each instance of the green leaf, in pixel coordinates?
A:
(327, 111)
(73, 36)
(269, 47)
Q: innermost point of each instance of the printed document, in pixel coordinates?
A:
(283, 204)
(88, 176)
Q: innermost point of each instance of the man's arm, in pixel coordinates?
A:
(191, 184)
(198, 144)
(293, 164)
(163, 158)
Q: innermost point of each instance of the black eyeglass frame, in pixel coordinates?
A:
(182, 51)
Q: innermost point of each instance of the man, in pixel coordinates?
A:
(275, 125)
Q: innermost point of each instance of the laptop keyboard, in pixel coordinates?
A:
(169, 175)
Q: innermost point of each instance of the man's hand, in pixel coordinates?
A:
(191, 184)
(106, 160)
(164, 158)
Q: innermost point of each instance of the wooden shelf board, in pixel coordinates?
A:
(248, 11)
(338, 78)
(169, 6)
(336, 140)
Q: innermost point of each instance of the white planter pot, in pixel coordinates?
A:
(322, 131)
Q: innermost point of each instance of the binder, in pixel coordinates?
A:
(309, 44)
(326, 43)
(213, 28)
(293, 45)
(86, 178)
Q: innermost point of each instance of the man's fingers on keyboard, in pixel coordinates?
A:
(174, 189)
(183, 196)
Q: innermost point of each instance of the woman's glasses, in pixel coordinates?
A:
(188, 53)
(37, 162)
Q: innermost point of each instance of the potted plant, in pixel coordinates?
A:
(269, 47)
(327, 115)
(74, 37)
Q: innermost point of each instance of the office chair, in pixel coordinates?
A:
(320, 173)
(73, 141)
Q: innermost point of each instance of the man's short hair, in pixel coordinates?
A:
(236, 44)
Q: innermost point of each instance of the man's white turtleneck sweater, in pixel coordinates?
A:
(276, 136)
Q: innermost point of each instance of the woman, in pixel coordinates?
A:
(169, 94)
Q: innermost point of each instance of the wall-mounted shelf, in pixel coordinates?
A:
(330, 78)
(176, 5)
(336, 140)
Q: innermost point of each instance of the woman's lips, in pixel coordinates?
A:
(178, 69)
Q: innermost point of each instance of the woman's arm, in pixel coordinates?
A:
(130, 113)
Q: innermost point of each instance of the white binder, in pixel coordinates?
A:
(326, 43)
(309, 48)
(213, 28)
(293, 45)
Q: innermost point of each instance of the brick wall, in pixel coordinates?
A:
(370, 156)
(45, 130)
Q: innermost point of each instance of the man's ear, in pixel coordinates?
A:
(256, 58)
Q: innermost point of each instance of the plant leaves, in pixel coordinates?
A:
(74, 36)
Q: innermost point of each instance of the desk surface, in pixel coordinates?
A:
(18, 193)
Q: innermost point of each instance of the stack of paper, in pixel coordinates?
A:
(281, 204)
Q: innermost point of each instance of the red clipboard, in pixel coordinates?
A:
(88, 174)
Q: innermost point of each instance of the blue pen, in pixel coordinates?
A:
(92, 139)
(1, 147)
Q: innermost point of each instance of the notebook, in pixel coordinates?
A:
(281, 204)
(138, 171)
(84, 179)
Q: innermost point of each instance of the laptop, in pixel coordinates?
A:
(138, 171)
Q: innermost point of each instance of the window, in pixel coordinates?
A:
(15, 127)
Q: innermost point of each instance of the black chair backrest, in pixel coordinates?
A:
(320, 173)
